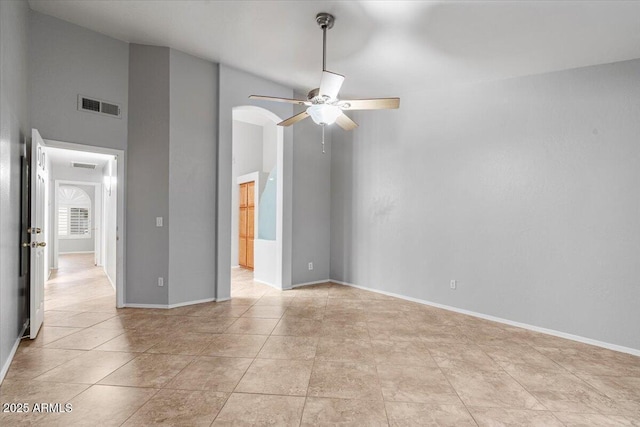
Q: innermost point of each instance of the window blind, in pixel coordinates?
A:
(73, 222)
(78, 221)
(63, 221)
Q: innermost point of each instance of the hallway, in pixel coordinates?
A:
(78, 286)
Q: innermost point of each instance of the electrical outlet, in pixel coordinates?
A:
(160, 281)
(310, 266)
(453, 284)
(158, 221)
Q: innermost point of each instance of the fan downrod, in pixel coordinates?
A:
(325, 20)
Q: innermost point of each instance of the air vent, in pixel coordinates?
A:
(83, 165)
(90, 104)
(111, 109)
(98, 106)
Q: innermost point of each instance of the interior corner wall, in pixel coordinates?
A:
(147, 246)
(235, 86)
(311, 201)
(14, 129)
(67, 60)
(525, 191)
(192, 178)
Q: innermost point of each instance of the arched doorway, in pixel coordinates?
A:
(261, 162)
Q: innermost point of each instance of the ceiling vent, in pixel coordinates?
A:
(98, 106)
(83, 165)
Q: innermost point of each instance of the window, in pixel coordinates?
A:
(74, 213)
(73, 222)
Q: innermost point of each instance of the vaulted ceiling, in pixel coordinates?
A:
(383, 47)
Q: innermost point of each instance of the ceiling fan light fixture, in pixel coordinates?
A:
(324, 114)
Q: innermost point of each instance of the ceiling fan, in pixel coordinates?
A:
(323, 104)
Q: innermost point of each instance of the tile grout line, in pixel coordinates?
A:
(375, 365)
(452, 387)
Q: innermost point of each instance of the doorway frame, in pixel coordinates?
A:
(97, 214)
(121, 182)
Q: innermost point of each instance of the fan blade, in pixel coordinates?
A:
(294, 119)
(370, 104)
(330, 84)
(345, 122)
(274, 99)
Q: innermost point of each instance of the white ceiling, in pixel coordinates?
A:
(383, 47)
(62, 157)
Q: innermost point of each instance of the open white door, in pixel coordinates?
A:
(37, 232)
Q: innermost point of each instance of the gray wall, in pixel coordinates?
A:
(192, 177)
(247, 158)
(235, 87)
(524, 190)
(81, 245)
(147, 195)
(67, 60)
(269, 146)
(14, 128)
(311, 201)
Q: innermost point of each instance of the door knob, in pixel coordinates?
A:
(34, 245)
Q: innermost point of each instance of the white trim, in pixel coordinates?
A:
(235, 266)
(170, 306)
(578, 338)
(129, 305)
(199, 301)
(269, 284)
(223, 299)
(12, 353)
(113, 285)
(317, 282)
(76, 252)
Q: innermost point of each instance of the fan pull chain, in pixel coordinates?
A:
(323, 152)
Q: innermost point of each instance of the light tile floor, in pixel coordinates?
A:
(318, 355)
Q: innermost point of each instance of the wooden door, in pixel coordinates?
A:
(246, 224)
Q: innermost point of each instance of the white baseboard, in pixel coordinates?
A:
(170, 306)
(200, 301)
(223, 299)
(578, 338)
(235, 266)
(317, 282)
(268, 284)
(113, 285)
(133, 305)
(12, 353)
